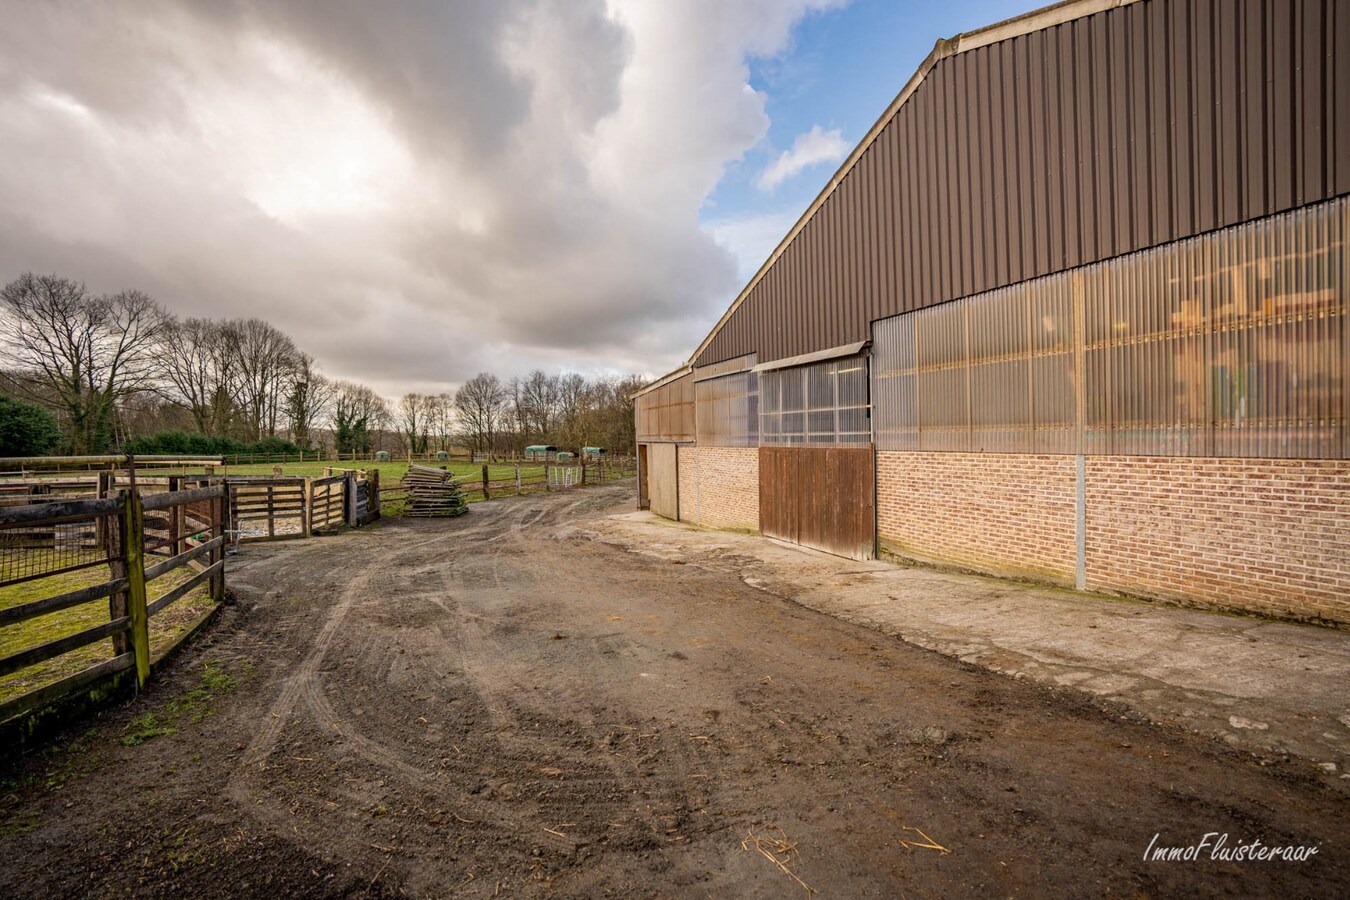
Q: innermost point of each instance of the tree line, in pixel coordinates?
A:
(86, 373)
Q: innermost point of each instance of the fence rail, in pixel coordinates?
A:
(48, 624)
(509, 480)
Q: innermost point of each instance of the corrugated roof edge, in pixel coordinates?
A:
(662, 381)
(1036, 20)
(808, 358)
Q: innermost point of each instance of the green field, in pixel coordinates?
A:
(390, 472)
(164, 627)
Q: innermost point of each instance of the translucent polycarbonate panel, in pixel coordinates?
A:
(824, 403)
(1050, 307)
(894, 396)
(944, 409)
(943, 374)
(1054, 404)
(1000, 406)
(1231, 344)
(728, 410)
(1054, 384)
(1279, 355)
(998, 324)
(940, 335)
(667, 413)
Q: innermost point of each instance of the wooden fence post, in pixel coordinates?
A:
(485, 483)
(219, 519)
(517, 481)
(177, 518)
(583, 471)
(307, 507)
(349, 499)
(373, 494)
(133, 549)
(115, 545)
(105, 486)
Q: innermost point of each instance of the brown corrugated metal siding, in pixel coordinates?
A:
(1077, 143)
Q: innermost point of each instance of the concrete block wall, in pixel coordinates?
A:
(1005, 513)
(719, 487)
(1255, 535)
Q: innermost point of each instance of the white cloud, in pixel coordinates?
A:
(751, 239)
(413, 194)
(809, 149)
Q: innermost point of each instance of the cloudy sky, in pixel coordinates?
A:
(419, 191)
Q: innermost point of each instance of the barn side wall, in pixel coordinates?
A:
(1042, 152)
(1265, 536)
(998, 512)
(719, 487)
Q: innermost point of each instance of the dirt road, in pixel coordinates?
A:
(497, 706)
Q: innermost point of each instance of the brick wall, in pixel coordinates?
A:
(995, 512)
(1262, 535)
(719, 487)
(1257, 535)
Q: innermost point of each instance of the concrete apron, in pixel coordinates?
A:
(1274, 689)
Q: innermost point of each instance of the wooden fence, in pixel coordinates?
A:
(269, 507)
(58, 559)
(327, 503)
(510, 480)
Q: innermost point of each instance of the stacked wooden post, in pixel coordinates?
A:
(433, 492)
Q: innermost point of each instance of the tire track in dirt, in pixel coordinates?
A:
(304, 682)
(663, 790)
(305, 688)
(265, 740)
(417, 730)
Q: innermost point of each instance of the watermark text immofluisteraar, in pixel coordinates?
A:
(1218, 848)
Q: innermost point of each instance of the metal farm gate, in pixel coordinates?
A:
(819, 497)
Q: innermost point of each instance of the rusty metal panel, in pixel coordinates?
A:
(819, 497)
(663, 486)
(1107, 135)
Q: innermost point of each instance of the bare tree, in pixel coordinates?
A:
(196, 361)
(572, 397)
(415, 413)
(359, 414)
(440, 419)
(540, 395)
(265, 358)
(307, 400)
(83, 352)
(481, 402)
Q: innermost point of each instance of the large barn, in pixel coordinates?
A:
(1074, 309)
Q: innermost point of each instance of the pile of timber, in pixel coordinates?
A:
(433, 492)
